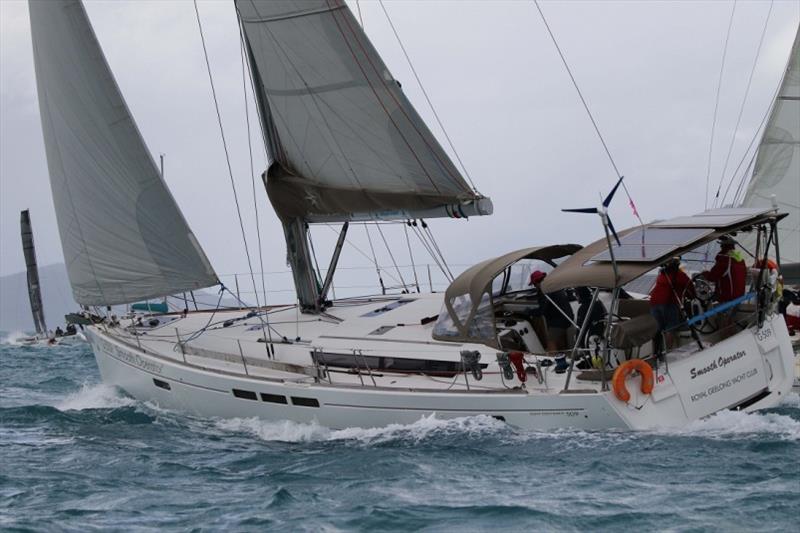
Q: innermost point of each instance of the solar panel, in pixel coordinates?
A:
(714, 218)
(650, 244)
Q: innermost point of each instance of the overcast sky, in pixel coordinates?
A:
(648, 70)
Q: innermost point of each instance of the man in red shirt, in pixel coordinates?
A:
(729, 272)
(666, 298)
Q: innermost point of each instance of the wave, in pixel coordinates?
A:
(739, 424)
(14, 338)
(95, 396)
(424, 428)
(792, 401)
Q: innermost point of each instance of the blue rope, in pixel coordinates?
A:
(720, 308)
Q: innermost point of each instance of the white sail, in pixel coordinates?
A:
(123, 236)
(345, 141)
(777, 168)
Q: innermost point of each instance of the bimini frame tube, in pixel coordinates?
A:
(582, 332)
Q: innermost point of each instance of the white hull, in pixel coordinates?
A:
(750, 370)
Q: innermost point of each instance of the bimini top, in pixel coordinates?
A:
(643, 248)
(472, 290)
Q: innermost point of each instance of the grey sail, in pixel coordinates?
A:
(777, 169)
(344, 139)
(345, 142)
(32, 269)
(124, 237)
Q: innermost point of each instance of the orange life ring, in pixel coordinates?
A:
(622, 372)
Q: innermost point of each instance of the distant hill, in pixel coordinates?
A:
(15, 309)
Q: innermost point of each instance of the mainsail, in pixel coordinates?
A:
(123, 236)
(34, 288)
(345, 142)
(777, 168)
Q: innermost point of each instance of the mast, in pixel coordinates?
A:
(34, 288)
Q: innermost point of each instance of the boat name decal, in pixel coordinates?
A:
(721, 362)
(724, 385)
(130, 358)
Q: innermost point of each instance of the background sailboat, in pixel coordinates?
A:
(32, 270)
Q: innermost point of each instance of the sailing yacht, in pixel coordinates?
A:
(347, 146)
(43, 336)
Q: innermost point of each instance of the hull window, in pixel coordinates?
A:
(305, 402)
(161, 384)
(245, 394)
(273, 398)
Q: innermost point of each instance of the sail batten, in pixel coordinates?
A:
(343, 137)
(776, 175)
(123, 236)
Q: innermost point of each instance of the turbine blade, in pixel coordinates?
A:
(581, 210)
(613, 232)
(607, 201)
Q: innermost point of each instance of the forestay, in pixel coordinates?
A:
(345, 141)
(123, 236)
(777, 168)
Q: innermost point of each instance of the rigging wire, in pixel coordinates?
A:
(425, 93)
(227, 154)
(252, 172)
(314, 256)
(747, 172)
(435, 245)
(360, 18)
(588, 111)
(741, 108)
(431, 252)
(756, 135)
(391, 255)
(716, 100)
(411, 254)
(375, 259)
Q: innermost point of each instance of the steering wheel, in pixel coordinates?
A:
(703, 294)
(703, 289)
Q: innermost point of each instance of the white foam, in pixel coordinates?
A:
(287, 431)
(98, 396)
(738, 424)
(14, 338)
(284, 431)
(791, 400)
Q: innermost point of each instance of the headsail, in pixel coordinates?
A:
(34, 287)
(345, 141)
(123, 236)
(777, 168)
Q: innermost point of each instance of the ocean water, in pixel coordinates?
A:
(78, 455)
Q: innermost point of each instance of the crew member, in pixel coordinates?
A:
(557, 311)
(729, 272)
(59, 331)
(666, 298)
